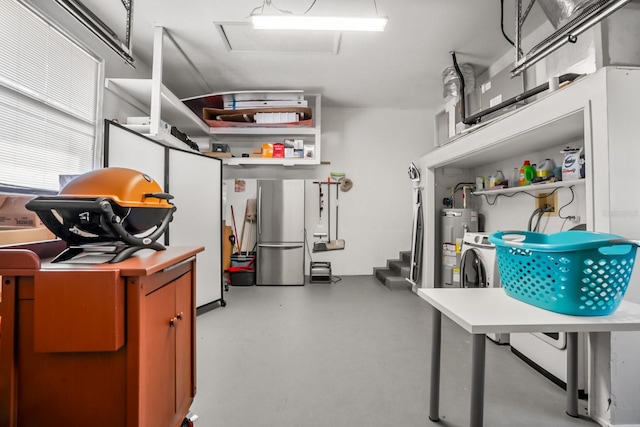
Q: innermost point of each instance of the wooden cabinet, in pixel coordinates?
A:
(102, 345)
(167, 349)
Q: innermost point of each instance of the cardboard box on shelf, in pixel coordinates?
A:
(12, 236)
(267, 149)
(13, 213)
(217, 154)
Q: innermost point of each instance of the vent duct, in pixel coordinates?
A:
(570, 18)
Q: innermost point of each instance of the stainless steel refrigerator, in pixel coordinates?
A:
(280, 228)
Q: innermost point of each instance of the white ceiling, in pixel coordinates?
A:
(398, 68)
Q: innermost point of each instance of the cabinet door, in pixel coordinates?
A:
(196, 183)
(185, 378)
(158, 358)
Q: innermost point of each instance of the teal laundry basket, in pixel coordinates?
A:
(580, 273)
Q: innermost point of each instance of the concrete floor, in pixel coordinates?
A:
(352, 353)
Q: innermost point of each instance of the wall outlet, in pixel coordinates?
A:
(548, 199)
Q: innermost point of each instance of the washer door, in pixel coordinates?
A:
(472, 272)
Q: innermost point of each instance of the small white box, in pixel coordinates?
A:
(139, 120)
(309, 151)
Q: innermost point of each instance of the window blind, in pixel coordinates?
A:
(48, 102)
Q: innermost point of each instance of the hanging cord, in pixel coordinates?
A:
(538, 212)
(502, 24)
(540, 215)
(270, 3)
(306, 243)
(521, 192)
(570, 201)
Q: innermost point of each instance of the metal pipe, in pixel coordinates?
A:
(463, 112)
(527, 94)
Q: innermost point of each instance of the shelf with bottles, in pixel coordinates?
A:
(285, 152)
(531, 187)
(243, 140)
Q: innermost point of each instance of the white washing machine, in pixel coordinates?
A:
(479, 268)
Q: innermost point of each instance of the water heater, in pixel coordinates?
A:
(455, 222)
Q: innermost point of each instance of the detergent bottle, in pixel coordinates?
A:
(527, 173)
(495, 179)
(545, 169)
(573, 164)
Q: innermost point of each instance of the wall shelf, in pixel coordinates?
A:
(175, 113)
(532, 187)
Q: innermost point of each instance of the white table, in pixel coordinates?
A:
(482, 311)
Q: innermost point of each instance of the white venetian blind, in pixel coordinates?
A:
(48, 102)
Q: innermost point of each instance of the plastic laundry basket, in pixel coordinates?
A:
(573, 272)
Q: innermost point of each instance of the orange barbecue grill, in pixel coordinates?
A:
(113, 211)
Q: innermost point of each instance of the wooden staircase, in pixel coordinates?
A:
(395, 274)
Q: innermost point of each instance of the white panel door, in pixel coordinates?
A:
(195, 181)
(128, 149)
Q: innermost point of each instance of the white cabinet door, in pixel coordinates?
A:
(195, 181)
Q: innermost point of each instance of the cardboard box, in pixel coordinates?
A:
(13, 214)
(267, 150)
(217, 154)
(9, 236)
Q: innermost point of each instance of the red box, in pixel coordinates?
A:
(278, 150)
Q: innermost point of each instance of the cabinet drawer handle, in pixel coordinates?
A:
(179, 316)
(173, 321)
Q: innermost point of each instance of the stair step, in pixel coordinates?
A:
(405, 256)
(405, 271)
(396, 265)
(381, 273)
(396, 283)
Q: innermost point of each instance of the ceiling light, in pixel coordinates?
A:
(303, 22)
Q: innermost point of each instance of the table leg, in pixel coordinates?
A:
(572, 374)
(477, 379)
(436, 340)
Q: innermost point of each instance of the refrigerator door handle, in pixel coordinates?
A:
(259, 211)
(280, 246)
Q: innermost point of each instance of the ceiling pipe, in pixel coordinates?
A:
(567, 34)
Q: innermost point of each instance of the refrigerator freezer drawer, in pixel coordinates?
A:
(280, 264)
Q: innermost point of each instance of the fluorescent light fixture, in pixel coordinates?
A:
(304, 22)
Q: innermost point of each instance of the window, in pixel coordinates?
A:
(49, 97)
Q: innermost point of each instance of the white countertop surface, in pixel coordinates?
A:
(481, 310)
